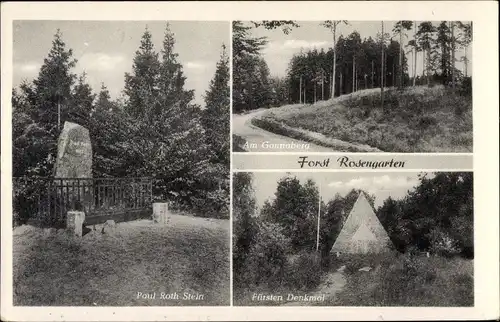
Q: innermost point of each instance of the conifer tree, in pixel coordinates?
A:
(248, 70)
(171, 79)
(103, 102)
(141, 86)
(82, 102)
(46, 103)
(400, 29)
(53, 84)
(425, 36)
(217, 113)
(332, 25)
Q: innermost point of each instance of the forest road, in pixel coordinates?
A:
(329, 287)
(259, 140)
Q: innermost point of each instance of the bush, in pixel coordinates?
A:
(426, 121)
(267, 260)
(421, 281)
(304, 273)
(27, 194)
(465, 88)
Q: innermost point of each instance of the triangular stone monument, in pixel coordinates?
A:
(362, 232)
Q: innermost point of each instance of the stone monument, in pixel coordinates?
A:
(161, 213)
(74, 160)
(74, 152)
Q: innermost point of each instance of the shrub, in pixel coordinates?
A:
(304, 273)
(267, 259)
(27, 195)
(465, 88)
(426, 121)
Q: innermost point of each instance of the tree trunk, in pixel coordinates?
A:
(305, 92)
(300, 90)
(315, 92)
(453, 54)
(400, 59)
(372, 75)
(340, 84)
(393, 74)
(334, 61)
(415, 53)
(465, 61)
(428, 67)
(382, 71)
(424, 71)
(353, 74)
(323, 86)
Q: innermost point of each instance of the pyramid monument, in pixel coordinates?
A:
(362, 232)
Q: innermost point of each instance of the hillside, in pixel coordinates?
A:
(418, 119)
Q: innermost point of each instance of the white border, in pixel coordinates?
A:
(485, 95)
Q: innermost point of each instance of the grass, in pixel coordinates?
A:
(302, 274)
(407, 281)
(418, 119)
(190, 254)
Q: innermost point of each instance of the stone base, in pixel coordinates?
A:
(160, 212)
(75, 221)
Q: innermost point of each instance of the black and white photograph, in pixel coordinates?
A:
(398, 239)
(120, 163)
(352, 86)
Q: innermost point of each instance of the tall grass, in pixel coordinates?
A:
(405, 280)
(418, 119)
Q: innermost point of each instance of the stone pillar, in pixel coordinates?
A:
(75, 221)
(160, 212)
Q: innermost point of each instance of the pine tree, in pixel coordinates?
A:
(464, 40)
(171, 79)
(248, 71)
(332, 25)
(82, 102)
(217, 113)
(42, 108)
(141, 86)
(104, 102)
(53, 85)
(442, 51)
(400, 29)
(425, 36)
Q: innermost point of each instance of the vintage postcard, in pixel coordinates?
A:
(249, 160)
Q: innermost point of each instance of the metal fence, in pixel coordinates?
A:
(49, 199)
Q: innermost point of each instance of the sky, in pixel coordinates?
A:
(381, 184)
(105, 49)
(310, 35)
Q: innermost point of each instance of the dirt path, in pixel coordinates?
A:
(330, 286)
(256, 136)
